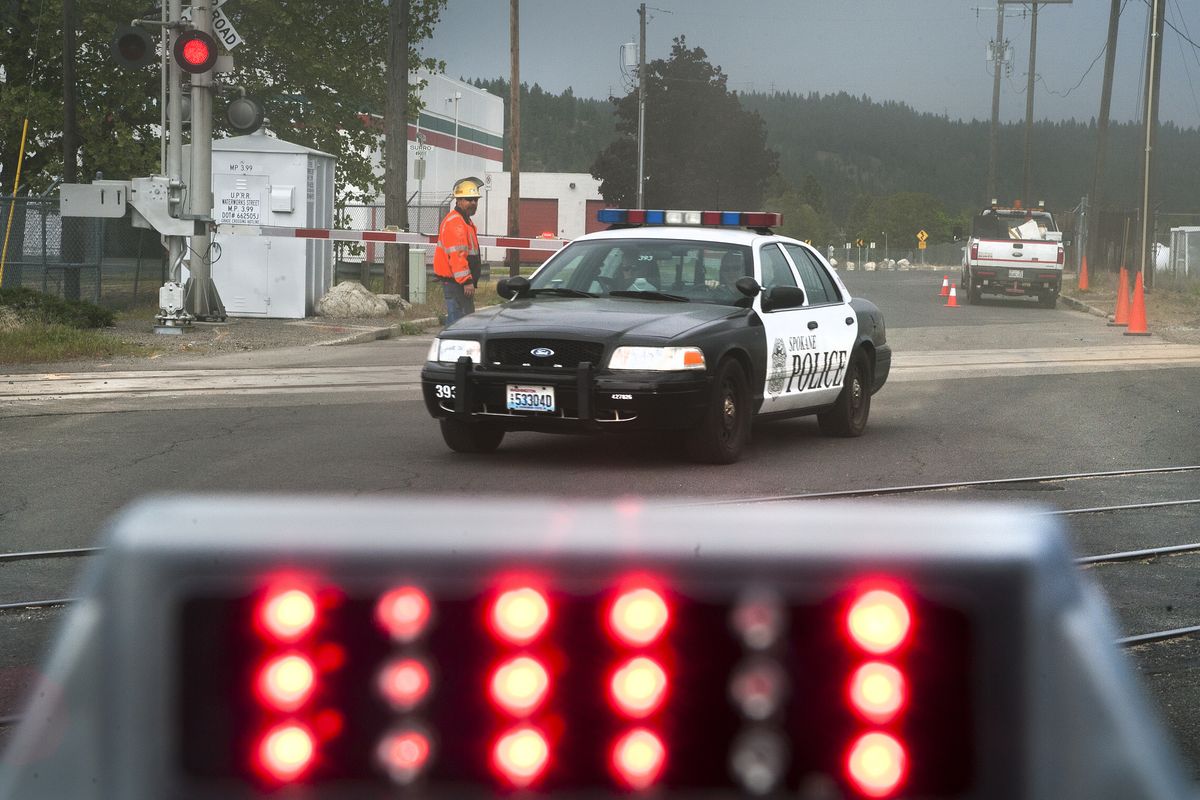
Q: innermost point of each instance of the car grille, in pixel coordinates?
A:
(566, 354)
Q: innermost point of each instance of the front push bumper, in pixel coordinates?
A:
(586, 399)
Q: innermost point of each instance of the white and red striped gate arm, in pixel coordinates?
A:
(384, 237)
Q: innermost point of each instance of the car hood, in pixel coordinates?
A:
(593, 318)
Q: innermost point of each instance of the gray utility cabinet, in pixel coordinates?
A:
(261, 180)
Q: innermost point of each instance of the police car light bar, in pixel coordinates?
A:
(259, 647)
(735, 219)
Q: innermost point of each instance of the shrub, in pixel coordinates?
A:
(47, 309)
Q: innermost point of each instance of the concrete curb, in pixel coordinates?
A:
(377, 333)
(1079, 305)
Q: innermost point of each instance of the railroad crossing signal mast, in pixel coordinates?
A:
(329, 648)
(177, 206)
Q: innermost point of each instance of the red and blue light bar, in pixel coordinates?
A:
(733, 219)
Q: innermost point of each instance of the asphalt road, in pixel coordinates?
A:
(977, 392)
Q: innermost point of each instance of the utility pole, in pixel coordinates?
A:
(998, 55)
(174, 169)
(514, 134)
(72, 245)
(200, 295)
(641, 169)
(1029, 199)
(395, 176)
(1153, 74)
(1110, 60)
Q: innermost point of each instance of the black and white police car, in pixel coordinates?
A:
(697, 322)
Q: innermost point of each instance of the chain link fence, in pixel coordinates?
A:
(362, 261)
(103, 261)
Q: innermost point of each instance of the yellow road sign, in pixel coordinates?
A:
(921, 245)
(922, 236)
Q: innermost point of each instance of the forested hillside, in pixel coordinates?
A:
(853, 147)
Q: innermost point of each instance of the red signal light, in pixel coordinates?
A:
(879, 621)
(876, 764)
(878, 691)
(195, 51)
(521, 755)
(288, 613)
(404, 613)
(286, 751)
(520, 685)
(404, 683)
(638, 687)
(286, 682)
(638, 758)
(520, 615)
(404, 754)
(638, 616)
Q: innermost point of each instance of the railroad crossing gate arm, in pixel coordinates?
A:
(245, 648)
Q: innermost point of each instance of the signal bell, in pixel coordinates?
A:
(195, 52)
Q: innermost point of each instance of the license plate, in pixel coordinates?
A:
(1016, 273)
(530, 398)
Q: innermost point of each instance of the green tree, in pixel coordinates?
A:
(317, 66)
(703, 150)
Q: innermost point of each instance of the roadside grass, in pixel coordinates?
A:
(1173, 304)
(36, 327)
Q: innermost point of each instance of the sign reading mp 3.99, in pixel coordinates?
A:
(238, 207)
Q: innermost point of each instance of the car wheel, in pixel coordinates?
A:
(848, 414)
(1048, 300)
(974, 295)
(723, 432)
(471, 437)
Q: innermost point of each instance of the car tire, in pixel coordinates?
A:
(725, 428)
(1048, 300)
(470, 437)
(848, 414)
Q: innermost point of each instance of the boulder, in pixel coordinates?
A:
(351, 299)
(395, 301)
(904, 263)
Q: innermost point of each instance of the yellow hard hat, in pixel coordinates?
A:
(467, 187)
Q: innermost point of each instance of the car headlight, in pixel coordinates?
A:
(657, 358)
(449, 351)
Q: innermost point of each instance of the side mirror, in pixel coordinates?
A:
(783, 297)
(517, 286)
(747, 286)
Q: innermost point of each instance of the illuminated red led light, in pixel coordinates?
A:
(520, 615)
(196, 51)
(404, 613)
(878, 691)
(639, 616)
(287, 614)
(404, 683)
(638, 687)
(520, 685)
(879, 621)
(404, 754)
(638, 758)
(520, 756)
(286, 752)
(286, 682)
(877, 764)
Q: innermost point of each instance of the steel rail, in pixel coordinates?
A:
(1128, 507)
(1137, 555)
(1158, 636)
(936, 487)
(62, 601)
(71, 553)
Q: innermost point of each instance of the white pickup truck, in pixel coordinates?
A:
(1013, 252)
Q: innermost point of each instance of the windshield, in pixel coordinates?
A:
(702, 272)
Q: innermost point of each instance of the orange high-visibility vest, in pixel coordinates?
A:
(457, 241)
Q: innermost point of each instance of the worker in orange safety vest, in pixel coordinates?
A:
(456, 261)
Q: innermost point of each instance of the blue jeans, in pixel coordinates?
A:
(458, 305)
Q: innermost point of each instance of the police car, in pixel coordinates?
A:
(697, 322)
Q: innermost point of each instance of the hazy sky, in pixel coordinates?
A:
(930, 54)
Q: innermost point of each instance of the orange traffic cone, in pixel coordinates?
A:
(1083, 276)
(945, 286)
(952, 299)
(1121, 317)
(1137, 311)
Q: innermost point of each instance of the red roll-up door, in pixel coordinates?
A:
(590, 223)
(538, 216)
